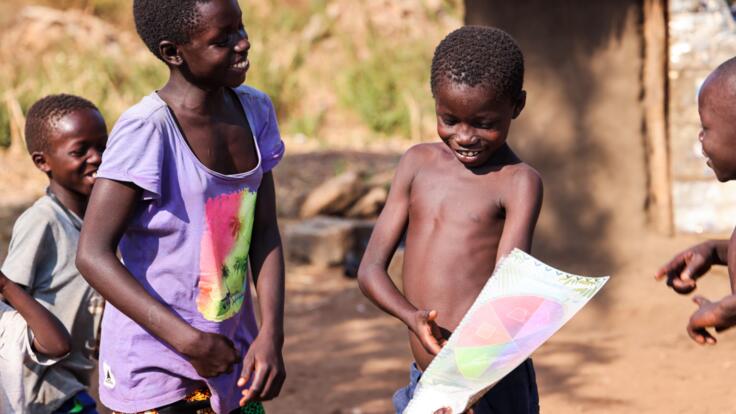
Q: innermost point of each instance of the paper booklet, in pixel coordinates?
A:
(521, 306)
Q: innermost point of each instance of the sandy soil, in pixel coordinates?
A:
(626, 352)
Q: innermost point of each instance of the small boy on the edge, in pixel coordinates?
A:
(464, 204)
(27, 332)
(717, 109)
(65, 136)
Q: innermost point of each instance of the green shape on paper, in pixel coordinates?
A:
(472, 362)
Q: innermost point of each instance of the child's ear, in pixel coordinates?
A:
(39, 159)
(170, 53)
(520, 103)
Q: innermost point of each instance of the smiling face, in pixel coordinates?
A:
(472, 121)
(74, 151)
(217, 53)
(718, 121)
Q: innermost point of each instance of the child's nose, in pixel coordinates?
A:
(95, 157)
(466, 137)
(243, 44)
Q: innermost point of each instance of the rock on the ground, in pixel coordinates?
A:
(333, 196)
(326, 241)
(370, 204)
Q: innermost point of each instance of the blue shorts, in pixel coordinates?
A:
(516, 393)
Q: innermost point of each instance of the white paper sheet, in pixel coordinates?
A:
(521, 306)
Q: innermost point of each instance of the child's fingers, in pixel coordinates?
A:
(430, 342)
(256, 386)
(269, 390)
(674, 266)
(246, 373)
(700, 300)
(700, 335)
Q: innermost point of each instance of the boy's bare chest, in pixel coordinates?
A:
(435, 195)
(225, 147)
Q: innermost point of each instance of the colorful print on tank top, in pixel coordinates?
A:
(224, 254)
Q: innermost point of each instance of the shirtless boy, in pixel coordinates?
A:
(718, 138)
(464, 203)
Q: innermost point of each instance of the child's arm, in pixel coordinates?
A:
(522, 206)
(373, 277)
(720, 315)
(110, 207)
(683, 270)
(264, 360)
(49, 335)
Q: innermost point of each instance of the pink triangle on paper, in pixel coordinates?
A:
(515, 311)
(484, 328)
(548, 313)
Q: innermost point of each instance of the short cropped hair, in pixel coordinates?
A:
(45, 113)
(173, 20)
(726, 74)
(479, 55)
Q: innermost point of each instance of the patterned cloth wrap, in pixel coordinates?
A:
(198, 402)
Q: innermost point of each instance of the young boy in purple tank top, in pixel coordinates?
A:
(185, 192)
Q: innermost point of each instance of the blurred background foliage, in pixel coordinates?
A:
(337, 70)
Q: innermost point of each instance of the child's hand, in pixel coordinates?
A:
(265, 364)
(427, 330)
(686, 267)
(709, 315)
(212, 354)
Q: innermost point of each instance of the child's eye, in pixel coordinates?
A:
(449, 121)
(485, 125)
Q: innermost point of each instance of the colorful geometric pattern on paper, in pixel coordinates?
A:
(521, 306)
(498, 328)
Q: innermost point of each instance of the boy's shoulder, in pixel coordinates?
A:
(42, 213)
(522, 172)
(423, 152)
(149, 109)
(253, 93)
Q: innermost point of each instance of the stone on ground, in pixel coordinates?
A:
(333, 196)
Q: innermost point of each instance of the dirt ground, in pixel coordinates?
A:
(625, 352)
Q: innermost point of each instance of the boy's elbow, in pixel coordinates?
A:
(361, 276)
(83, 261)
(364, 277)
(60, 347)
(63, 349)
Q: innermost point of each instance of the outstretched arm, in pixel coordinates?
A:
(264, 360)
(522, 205)
(50, 336)
(683, 270)
(110, 207)
(373, 277)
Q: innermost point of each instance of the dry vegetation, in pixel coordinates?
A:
(342, 74)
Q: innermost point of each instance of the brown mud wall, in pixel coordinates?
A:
(582, 126)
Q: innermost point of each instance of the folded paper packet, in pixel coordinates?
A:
(521, 306)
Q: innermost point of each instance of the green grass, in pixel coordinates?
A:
(389, 85)
(113, 78)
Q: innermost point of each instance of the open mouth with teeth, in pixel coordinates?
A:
(241, 66)
(469, 154)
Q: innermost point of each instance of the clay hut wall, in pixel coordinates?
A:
(583, 124)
